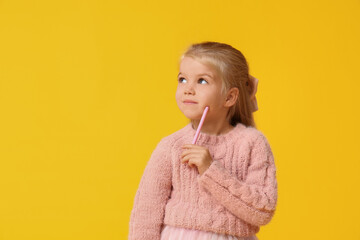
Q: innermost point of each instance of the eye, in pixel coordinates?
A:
(202, 81)
(182, 80)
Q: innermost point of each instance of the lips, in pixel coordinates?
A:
(189, 102)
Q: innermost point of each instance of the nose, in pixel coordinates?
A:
(189, 89)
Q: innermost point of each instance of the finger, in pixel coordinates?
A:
(192, 163)
(190, 155)
(193, 151)
(186, 152)
(193, 158)
(185, 159)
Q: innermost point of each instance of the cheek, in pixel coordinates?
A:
(216, 99)
(178, 94)
(212, 96)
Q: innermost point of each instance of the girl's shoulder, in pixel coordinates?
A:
(181, 135)
(253, 135)
(248, 132)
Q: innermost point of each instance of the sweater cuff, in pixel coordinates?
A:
(215, 171)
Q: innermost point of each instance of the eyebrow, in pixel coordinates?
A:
(204, 74)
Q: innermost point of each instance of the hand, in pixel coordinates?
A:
(196, 155)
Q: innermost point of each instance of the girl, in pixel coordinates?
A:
(225, 186)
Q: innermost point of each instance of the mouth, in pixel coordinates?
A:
(189, 102)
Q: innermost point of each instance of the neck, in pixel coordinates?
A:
(213, 127)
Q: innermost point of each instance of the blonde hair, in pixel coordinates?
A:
(233, 70)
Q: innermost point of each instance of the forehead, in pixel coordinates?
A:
(189, 65)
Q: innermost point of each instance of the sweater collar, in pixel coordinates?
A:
(216, 139)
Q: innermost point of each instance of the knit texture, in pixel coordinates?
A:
(235, 195)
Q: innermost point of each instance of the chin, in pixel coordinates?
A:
(192, 115)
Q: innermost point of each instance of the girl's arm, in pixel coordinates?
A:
(154, 190)
(253, 199)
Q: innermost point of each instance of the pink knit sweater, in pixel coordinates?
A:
(235, 195)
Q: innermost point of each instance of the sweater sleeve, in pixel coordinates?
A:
(151, 197)
(252, 199)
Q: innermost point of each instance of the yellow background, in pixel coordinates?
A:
(87, 89)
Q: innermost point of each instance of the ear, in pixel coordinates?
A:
(231, 97)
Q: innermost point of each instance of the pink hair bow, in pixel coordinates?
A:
(253, 89)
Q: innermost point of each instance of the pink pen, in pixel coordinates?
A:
(200, 125)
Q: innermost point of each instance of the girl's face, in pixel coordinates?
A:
(199, 86)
